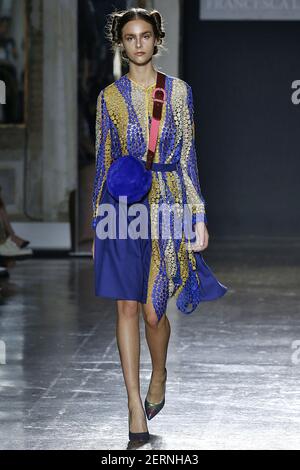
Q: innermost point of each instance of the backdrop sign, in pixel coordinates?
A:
(249, 10)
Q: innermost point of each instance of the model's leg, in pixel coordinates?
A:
(8, 228)
(128, 339)
(5, 220)
(157, 336)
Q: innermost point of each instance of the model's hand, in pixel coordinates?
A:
(202, 237)
(93, 248)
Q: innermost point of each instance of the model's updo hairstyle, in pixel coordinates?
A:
(117, 19)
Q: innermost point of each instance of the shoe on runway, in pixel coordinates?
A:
(153, 408)
(10, 249)
(138, 436)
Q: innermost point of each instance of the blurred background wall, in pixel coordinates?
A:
(247, 124)
(38, 156)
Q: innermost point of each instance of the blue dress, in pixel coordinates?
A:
(150, 269)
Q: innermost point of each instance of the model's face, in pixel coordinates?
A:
(138, 36)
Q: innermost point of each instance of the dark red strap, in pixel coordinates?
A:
(159, 97)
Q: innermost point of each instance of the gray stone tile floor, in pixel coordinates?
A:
(233, 364)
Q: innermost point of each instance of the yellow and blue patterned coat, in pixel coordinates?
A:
(124, 112)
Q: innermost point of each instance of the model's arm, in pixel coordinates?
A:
(102, 151)
(188, 160)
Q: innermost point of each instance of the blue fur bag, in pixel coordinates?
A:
(128, 176)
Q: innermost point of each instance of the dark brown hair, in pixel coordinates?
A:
(118, 19)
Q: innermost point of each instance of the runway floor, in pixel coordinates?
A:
(233, 364)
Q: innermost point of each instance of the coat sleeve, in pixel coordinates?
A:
(103, 152)
(188, 160)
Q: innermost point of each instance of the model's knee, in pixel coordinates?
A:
(128, 308)
(151, 319)
(152, 322)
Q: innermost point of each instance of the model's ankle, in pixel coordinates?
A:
(159, 374)
(134, 402)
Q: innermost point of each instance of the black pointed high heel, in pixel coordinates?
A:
(138, 436)
(153, 408)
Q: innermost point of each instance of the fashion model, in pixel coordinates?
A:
(146, 271)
